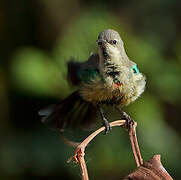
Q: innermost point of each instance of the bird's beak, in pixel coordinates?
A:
(102, 45)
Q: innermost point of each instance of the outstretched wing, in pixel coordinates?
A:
(73, 111)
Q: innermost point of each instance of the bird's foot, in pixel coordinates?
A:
(129, 122)
(106, 125)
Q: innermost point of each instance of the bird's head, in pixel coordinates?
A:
(110, 45)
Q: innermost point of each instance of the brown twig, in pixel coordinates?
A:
(83, 144)
(152, 169)
(67, 141)
(80, 149)
(135, 146)
(131, 136)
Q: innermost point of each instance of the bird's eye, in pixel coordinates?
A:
(114, 42)
(99, 43)
(135, 69)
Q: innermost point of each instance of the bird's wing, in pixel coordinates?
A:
(73, 112)
(83, 71)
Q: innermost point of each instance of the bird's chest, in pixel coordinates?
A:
(102, 90)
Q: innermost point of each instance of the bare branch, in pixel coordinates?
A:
(67, 141)
(152, 169)
(80, 149)
(135, 146)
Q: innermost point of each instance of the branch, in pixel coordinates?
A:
(67, 141)
(152, 169)
(134, 145)
(80, 149)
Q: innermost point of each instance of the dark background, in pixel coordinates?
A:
(36, 40)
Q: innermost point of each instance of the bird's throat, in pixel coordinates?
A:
(105, 54)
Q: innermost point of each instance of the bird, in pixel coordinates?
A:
(106, 78)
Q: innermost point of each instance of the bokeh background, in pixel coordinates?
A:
(36, 40)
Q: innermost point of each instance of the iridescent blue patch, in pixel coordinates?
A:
(135, 69)
(86, 75)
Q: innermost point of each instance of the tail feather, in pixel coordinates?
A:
(72, 112)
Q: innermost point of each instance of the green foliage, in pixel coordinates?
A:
(36, 73)
(33, 71)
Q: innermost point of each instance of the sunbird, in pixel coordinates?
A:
(106, 78)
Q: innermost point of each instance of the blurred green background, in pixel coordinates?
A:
(38, 37)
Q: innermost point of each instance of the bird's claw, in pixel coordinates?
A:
(129, 122)
(106, 125)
